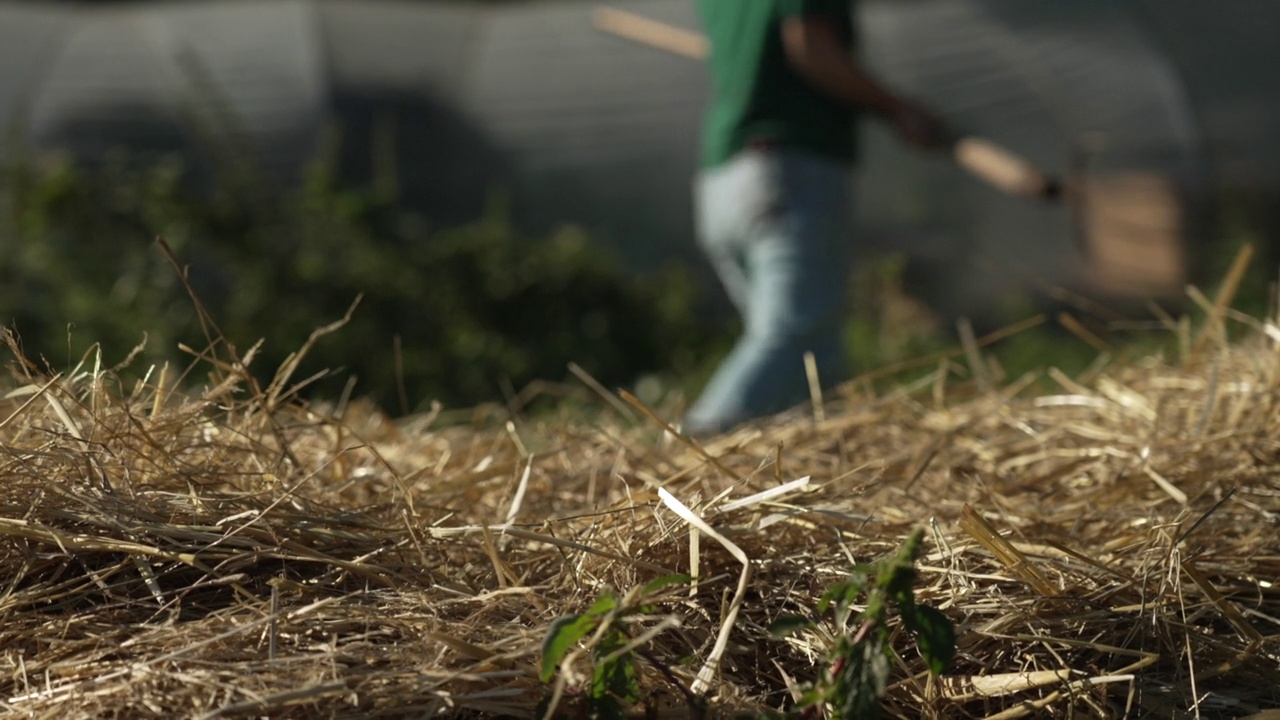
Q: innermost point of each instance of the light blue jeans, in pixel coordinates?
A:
(774, 224)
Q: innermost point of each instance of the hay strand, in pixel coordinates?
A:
(1104, 550)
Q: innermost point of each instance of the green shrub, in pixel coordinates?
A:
(468, 308)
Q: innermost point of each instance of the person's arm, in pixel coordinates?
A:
(817, 52)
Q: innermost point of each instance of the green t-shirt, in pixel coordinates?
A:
(755, 95)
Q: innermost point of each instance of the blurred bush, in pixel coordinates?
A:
(463, 311)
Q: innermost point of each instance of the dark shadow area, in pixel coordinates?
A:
(419, 152)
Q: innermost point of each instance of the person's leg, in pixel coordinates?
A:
(719, 224)
(793, 246)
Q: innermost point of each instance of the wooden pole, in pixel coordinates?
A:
(983, 159)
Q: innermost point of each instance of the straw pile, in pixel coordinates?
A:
(1105, 548)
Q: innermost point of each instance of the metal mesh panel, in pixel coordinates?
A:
(578, 126)
(29, 36)
(183, 79)
(1078, 88)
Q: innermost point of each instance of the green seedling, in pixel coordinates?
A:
(860, 654)
(604, 634)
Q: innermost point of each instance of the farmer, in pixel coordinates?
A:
(773, 193)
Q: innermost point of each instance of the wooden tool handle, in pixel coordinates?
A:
(662, 36)
(1003, 169)
(983, 159)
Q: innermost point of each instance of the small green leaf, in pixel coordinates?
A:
(564, 633)
(843, 594)
(602, 606)
(936, 637)
(910, 549)
(787, 625)
(862, 682)
(812, 697)
(876, 608)
(825, 601)
(615, 679)
(899, 582)
(665, 581)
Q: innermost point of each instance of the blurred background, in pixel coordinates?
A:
(508, 185)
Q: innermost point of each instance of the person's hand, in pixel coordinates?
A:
(918, 126)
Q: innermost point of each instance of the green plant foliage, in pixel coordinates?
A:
(563, 635)
(664, 582)
(614, 685)
(447, 314)
(787, 625)
(566, 631)
(935, 635)
(860, 654)
(860, 682)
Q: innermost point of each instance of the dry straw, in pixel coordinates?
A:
(1108, 547)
